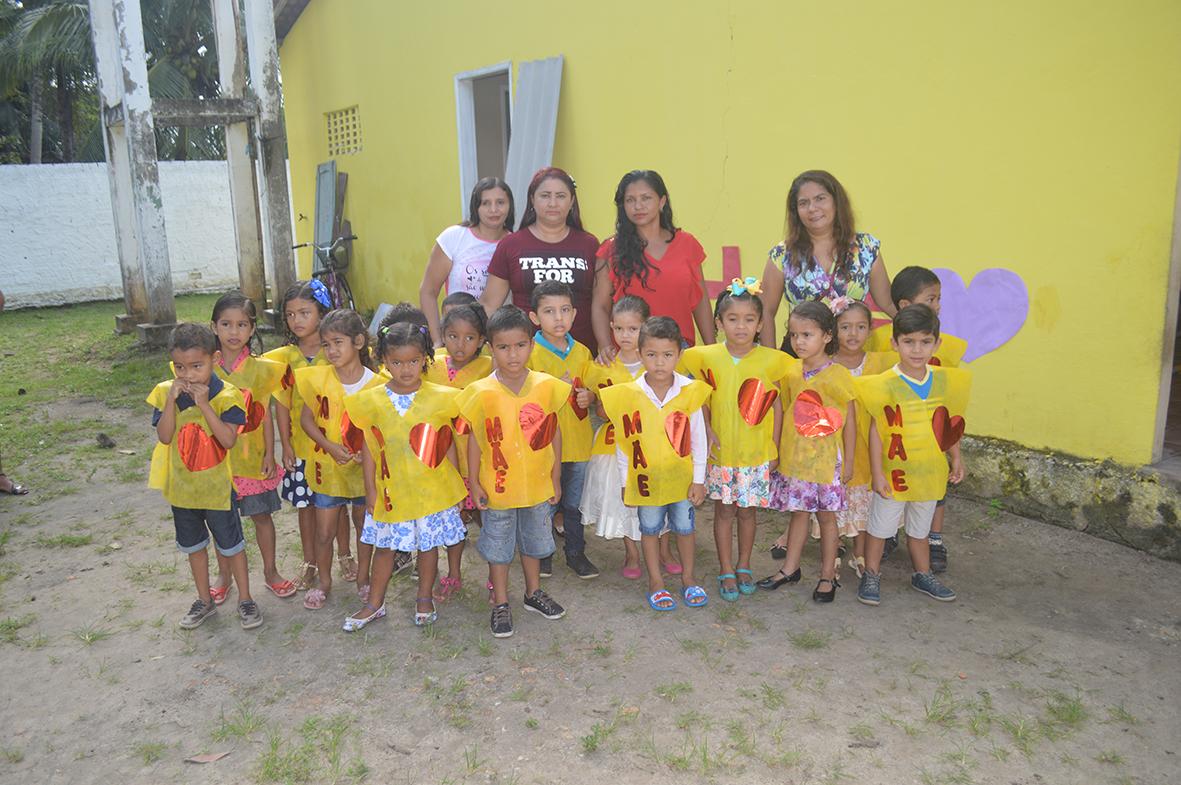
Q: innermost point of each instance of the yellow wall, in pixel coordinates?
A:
(1041, 137)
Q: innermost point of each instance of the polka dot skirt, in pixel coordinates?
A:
(295, 487)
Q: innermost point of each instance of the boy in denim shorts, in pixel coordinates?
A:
(514, 463)
(197, 416)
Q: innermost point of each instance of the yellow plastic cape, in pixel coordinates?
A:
(320, 390)
(193, 470)
(815, 411)
(292, 359)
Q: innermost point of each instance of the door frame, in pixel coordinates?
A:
(465, 122)
(1168, 344)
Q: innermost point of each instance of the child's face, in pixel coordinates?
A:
(852, 330)
(625, 327)
(303, 317)
(740, 322)
(915, 349)
(808, 338)
(929, 296)
(462, 341)
(405, 364)
(194, 366)
(554, 315)
(234, 329)
(341, 349)
(660, 356)
(511, 350)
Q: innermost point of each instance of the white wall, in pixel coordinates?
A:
(57, 235)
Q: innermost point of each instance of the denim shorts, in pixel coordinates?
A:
(263, 503)
(193, 528)
(322, 501)
(680, 516)
(524, 529)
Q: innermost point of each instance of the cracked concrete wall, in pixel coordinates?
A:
(57, 233)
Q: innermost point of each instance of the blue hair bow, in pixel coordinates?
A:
(320, 292)
(749, 285)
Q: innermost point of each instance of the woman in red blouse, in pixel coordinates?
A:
(654, 260)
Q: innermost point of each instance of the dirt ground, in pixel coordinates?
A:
(1058, 664)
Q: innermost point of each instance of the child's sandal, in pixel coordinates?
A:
(352, 623)
(423, 619)
(307, 576)
(661, 600)
(695, 596)
(219, 593)
(729, 595)
(313, 599)
(348, 568)
(448, 588)
(746, 587)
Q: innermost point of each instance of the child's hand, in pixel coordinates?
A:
(846, 472)
(340, 453)
(478, 496)
(557, 497)
(288, 459)
(583, 397)
(200, 393)
(355, 457)
(773, 465)
(179, 387)
(268, 466)
(956, 474)
(696, 494)
(711, 439)
(881, 487)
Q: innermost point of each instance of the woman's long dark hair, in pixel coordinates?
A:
(628, 260)
(473, 208)
(573, 218)
(799, 244)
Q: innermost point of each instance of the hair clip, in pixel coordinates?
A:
(840, 304)
(384, 330)
(422, 330)
(750, 285)
(320, 292)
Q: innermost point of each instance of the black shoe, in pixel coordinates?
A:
(778, 552)
(547, 566)
(826, 596)
(888, 548)
(938, 557)
(540, 602)
(582, 566)
(773, 582)
(502, 621)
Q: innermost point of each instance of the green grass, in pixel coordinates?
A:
(12, 754)
(11, 626)
(150, 751)
(65, 541)
(670, 692)
(318, 752)
(91, 634)
(1110, 757)
(809, 639)
(242, 723)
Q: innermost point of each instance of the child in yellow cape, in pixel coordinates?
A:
(197, 416)
(744, 419)
(601, 504)
(918, 285)
(408, 430)
(256, 475)
(816, 446)
(334, 470)
(304, 304)
(515, 464)
(917, 413)
(457, 364)
(662, 451)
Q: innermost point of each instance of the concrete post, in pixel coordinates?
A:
(263, 55)
(122, 39)
(231, 72)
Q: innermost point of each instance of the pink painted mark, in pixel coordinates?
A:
(731, 269)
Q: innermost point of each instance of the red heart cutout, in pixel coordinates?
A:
(350, 435)
(812, 418)
(462, 426)
(429, 444)
(322, 406)
(255, 411)
(288, 380)
(709, 378)
(676, 427)
(378, 435)
(578, 410)
(948, 430)
(934, 361)
(538, 426)
(198, 450)
(754, 401)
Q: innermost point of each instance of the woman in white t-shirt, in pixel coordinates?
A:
(461, 253)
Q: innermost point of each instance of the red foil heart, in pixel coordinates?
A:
(288, 378)
(754, 401)
(812, 418)
(198, 450)
(462, 426)
(948, 430)
(255, 411)
(934, 361)
(429, 444)
(350, 435)
(539, 428)
(378, 435)
(676, 427)
(578, 410)
(322, 406)
(709, 378)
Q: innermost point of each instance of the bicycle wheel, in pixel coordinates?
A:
(328, 278)
(345, 292)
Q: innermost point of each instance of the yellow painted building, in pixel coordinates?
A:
(1038, 137)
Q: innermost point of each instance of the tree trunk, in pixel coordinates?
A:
(65, 113)
(36, 126)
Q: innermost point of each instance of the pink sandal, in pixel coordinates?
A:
(218, 594)
(672, 568)
(313, 599)
(448, 588)
(631, 573)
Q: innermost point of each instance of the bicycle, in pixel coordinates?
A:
(333, 259)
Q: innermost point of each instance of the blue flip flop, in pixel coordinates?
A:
(695, 596)
(747, 588)
(729, 595)
(660, 596)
